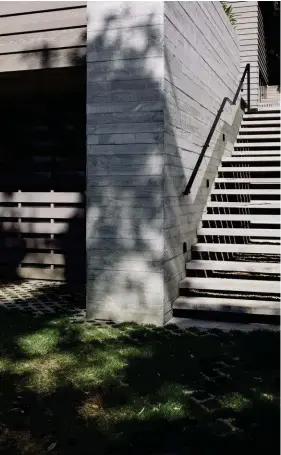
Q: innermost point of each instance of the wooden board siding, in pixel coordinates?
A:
(42, 175)
(249, 30)
(36, 35)
(201, 67)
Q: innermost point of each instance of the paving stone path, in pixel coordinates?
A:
(43, 297)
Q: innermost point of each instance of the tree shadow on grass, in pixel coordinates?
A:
(128, 389)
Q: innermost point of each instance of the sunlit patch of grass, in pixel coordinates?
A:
(45, 374)
(4, 364)
(39, 343)
(234, 401)
(269, 397)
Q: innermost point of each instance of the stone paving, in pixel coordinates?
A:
(43, 297)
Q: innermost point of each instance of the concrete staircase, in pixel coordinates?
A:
(235, 264)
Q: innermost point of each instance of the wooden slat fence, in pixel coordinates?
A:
(42, 185)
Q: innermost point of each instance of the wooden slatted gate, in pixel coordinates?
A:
(42, 176)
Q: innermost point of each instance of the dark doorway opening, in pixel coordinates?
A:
(43, 174)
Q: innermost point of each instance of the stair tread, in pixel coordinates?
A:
(262, 181)
(258, 128)
(258, 267)
(262, 219)
(262, 115)
(257, 136)
(262, 191)
(255, 144)
(227, 304)
(274, 108)
(231, 284)
(256, 152)
(260, 122)
(246, 205)
(237, 232)
(246, 159)
(249, 169)
(247, 248)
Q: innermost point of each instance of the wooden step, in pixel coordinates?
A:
(259, 128)
(255, 144)
(253, 137)
(261, 115)
(231, 284)
(275, 108)
(235, 266)
(260, 181)
(260, 122)
(237, 232)
(249, 169)
(249, 159)
(227, 304)
(247, 191)
(252, 218)
(256, 152)
(237, 248)
(257, 137)
(245, 205)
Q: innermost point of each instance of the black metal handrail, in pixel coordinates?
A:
(225, 100)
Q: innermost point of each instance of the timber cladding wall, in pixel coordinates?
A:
(202, 66)
(41, 34)
(249, 29)
(153, 68)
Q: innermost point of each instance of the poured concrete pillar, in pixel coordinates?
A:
(125, 131)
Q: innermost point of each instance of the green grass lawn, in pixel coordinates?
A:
(72, 388)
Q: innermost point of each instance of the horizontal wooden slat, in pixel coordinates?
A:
(29, 7)
(43, 21)
(35, 228)
(44, 197)
(43, 243)
(40, 212)
(38, 258)
(42, 40)
(37, 273)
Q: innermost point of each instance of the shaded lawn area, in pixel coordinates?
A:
(73, 388)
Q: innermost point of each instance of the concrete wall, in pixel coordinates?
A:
(201, 68)
(41, 34)
(139, 89)
(249, 35)
(125, 160)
